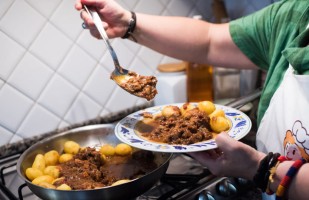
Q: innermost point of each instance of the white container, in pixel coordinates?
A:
(172, 88)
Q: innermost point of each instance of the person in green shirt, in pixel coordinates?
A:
(274, 39)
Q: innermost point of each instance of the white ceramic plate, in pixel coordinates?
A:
(125, 131)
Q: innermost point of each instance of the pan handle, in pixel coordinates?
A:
(240, 102)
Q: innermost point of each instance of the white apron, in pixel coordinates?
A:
(285, 125)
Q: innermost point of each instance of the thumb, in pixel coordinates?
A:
(225, 142)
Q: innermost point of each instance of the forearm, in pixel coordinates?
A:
(298, 188)
(191, 40)
(180, 36)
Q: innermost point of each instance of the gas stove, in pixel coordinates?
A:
(185, 178)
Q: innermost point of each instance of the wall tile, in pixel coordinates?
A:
(77, 66)
(58, 96)
(38, 121)
(149, 6)
(99, 86)
(14, 106)
(45, 7)
(93, 46)
(10, 54)
(120, 100)
(4, 6)
(141, 67)
(21, 17)
(5, 135)
(82, 109)
(51, 46)
(180, 7)
(30, 76)
(67, 19)
(151, 58)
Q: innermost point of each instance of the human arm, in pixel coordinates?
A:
(183, 38)
(241, 160)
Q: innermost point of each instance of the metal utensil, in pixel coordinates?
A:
(119, 74)
(141, 86)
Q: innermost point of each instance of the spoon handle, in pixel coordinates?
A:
(98, 23)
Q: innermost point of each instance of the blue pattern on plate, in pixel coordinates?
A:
(125, 132)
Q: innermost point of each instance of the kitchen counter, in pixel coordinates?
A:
(21, 146)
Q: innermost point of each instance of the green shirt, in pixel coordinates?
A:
(272, 38)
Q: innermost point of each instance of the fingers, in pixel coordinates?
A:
(78, 5)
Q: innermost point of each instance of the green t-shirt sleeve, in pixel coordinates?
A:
(252, 34)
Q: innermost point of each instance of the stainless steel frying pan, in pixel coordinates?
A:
(93, 136)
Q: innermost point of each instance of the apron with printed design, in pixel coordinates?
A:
(285, 125)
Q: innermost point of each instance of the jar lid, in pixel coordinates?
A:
(173, 67)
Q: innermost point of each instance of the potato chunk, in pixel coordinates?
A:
(64, 187)
(219, 124)
(65, 157)
(123, 149)
(71, 147)
(39, 162)
(206, 106)
(44, 178)
(169, 111)
(107, 150)
(51, 157)
(52, 171)
(33, 173)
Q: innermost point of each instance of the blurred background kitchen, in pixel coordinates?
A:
(53, 74)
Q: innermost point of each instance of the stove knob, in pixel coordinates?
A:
(225, 188)
(242, 181)
(205, 195)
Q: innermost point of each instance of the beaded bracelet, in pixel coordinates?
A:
(131, 27)
(285, 182)
(272, 173)
(261, 177)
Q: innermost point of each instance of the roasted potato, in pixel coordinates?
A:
(64, 187)
(51, 157)
(206, 106)
(53, 171)
(41, 179)
(46, 185)
(107, 150)
(217, 113)
(32, 173)
(123, 149)
(58, 179)
(39, 162)
(71, 147)
(169, 111)
(219, 124)
(186, 107)
(65, 157)
(120, 182)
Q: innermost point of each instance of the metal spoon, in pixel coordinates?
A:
(141, 86)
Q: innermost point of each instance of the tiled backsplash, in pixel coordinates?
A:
(54, 74)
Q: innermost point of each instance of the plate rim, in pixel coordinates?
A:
(183, 148)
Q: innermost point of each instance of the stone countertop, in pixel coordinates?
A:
(21, 146)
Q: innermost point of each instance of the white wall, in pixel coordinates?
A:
(54, 74)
